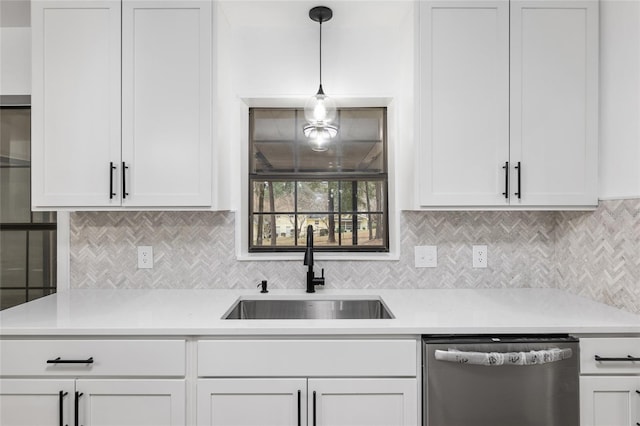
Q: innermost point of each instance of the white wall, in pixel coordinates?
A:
(15, 47)
(272, 52)
(619, 99)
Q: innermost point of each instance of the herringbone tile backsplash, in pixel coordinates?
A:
(598, 253)
(594, 253)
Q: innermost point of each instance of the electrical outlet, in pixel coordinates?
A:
(480, 256)
(426, 256)
(145, 257)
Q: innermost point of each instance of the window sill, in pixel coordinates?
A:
(318, 256)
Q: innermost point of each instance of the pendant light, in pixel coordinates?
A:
(320, 110)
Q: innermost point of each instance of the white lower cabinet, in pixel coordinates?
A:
(308, 382)
(610, 381)
(92, 382)
(610, 401)
(92, 402)
(319, 402)
(251, 402)
(28, 402)
(362, 402)
(131, 402)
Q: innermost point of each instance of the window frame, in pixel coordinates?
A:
(297, 177)
(49, 224)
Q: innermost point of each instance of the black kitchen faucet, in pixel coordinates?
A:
(312, 280)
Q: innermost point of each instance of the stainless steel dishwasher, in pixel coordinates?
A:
(501, 380)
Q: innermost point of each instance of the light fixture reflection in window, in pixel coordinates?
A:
(320, 136)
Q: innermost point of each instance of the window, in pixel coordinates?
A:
(27, 239)
(341, 192)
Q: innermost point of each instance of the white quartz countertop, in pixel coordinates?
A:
(200, 312)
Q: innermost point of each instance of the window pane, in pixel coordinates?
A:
(329, 190)
(14, 195)
(271, 196)
(347, 192)
(310, 161)
(41, 258)
(325, 230)
(371, 196)
(362, 140)
(274, 138)
(9, 298)
(316, 196)
(284, 235)
(15, 156)
(38, 293)
(372, 230)
(13, 258)
(43, 217)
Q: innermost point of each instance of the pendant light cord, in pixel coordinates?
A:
(320, 91)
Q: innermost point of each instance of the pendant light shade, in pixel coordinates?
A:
(320, 110)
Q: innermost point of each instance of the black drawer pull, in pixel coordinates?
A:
(111, 169)
(519, 168)
(299, 409)
(124, 180)
(70, 361)
(506, 180)
(314, 408)
(76, 412)
(628, 358)
(61, 396)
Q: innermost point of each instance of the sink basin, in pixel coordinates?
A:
(261, 309)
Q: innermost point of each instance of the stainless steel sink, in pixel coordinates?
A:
(275, 309)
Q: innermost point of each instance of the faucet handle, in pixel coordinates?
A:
(322, 273)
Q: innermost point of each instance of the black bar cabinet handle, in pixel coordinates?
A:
(638, 392)
(70, 361)
(76, 408)
(628, 358)
(61, 396)
(299, 409)
(519, 193)
(314, 408)
(111, 169)
(506, 180)
(124, 180)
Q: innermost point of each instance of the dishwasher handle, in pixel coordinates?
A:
(495, 359)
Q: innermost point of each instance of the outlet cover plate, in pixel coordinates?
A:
(426, 256)
(480, 255)
(145, 257)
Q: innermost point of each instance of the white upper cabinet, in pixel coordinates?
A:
(166, 103)
(508, 104)
(75, 102)
(143, 64)
(464, 108)
(554, 102)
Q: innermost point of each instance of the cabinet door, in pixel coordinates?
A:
(75, 102)
(131, 402)
(27, 402)
(464, 102)
(554, 102)
(251, 402)
(166, 102)
(609, 401)
(363, 402)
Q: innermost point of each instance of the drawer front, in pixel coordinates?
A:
(110, 357)
(610, 348)
(302, 358)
